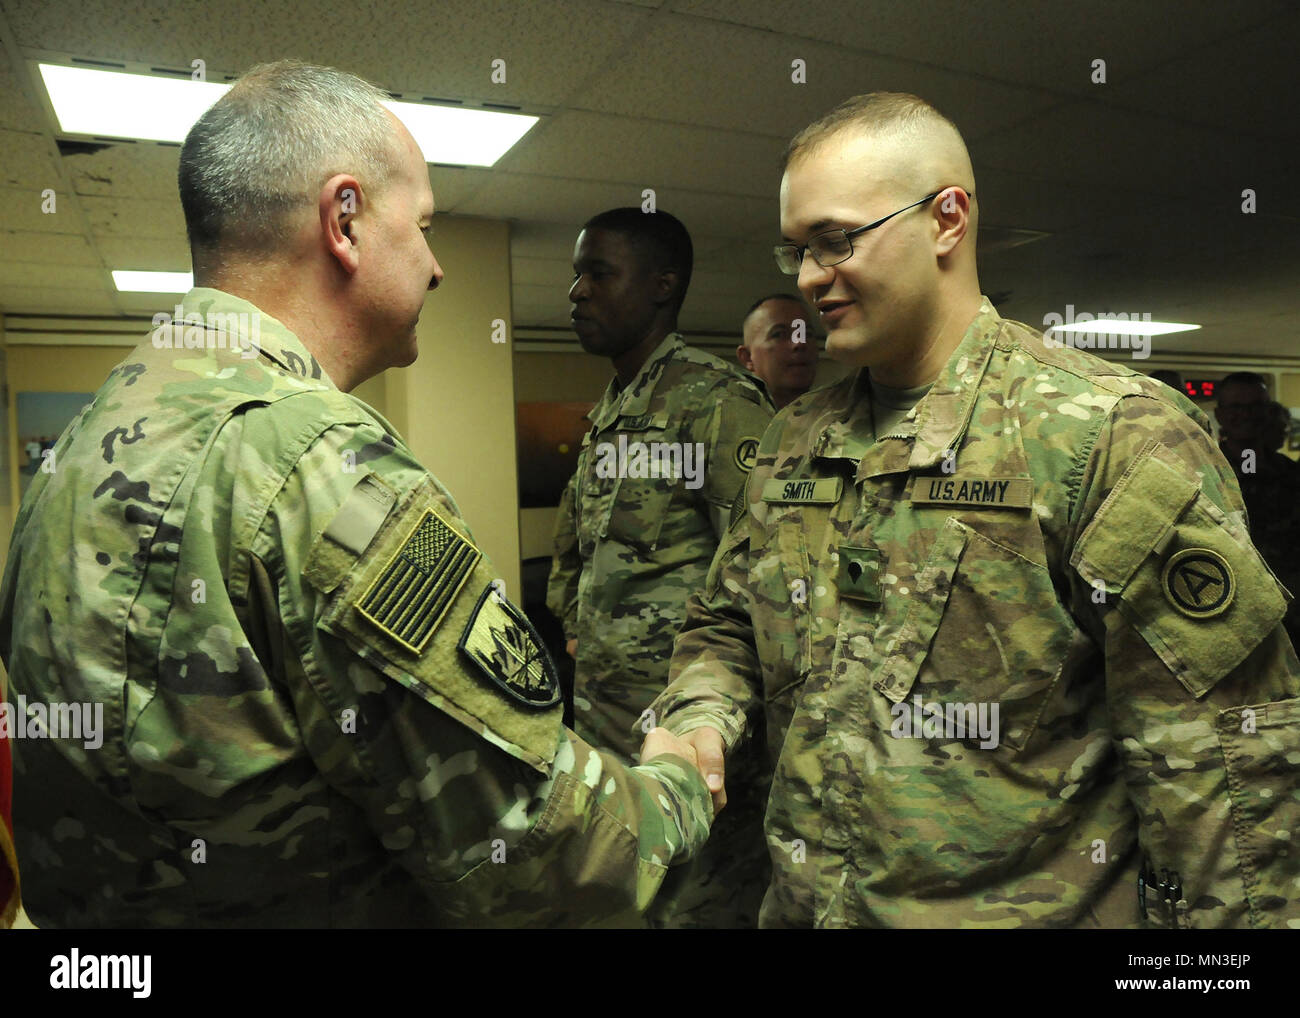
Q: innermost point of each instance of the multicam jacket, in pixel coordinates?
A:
(629, 549)
(1048, 535)
(317, 709)
(631, 544)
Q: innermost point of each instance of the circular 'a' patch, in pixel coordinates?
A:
(747, 454)
(1198, 582)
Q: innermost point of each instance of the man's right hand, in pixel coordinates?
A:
(572, 648)
(708, 752)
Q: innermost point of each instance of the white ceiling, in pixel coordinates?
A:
(1136, 182)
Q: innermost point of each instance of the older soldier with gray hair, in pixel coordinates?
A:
(1020, 663)
(319, 711)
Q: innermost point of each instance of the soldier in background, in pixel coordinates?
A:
(1020, 663)
(779, 346)
(671, 442)
(1251, 431)
(317, 709)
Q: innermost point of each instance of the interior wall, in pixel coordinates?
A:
(456, 404)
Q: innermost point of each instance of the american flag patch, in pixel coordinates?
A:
(412, 594)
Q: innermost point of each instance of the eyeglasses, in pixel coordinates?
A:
(834, 246)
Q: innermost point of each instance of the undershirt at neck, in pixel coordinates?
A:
(889, 406)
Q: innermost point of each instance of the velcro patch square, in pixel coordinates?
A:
(413, 592)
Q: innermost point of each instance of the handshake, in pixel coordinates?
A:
(703, 747)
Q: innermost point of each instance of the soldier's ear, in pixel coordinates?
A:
(666, 281)
(745, 357)
(339, 202)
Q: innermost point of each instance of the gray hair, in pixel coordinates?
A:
(266, 147)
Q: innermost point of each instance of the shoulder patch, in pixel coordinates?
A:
(501, 641)
(747, 453)
(404, 608)
(413, 591)
(1198, 582)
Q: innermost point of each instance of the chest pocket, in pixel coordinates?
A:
(981, 626)
(781, 578)
(631, 475)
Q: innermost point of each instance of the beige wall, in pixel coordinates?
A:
(456, 404)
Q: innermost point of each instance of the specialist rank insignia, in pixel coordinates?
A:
(502, 642)
(412, 594)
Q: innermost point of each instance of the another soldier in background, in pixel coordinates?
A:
(1020, 662)
(779, 346)
(317, 709)
(1251, 430)
(671, 442)
(1275, 428)
(1238, 400)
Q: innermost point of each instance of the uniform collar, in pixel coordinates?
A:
(934, 426)
(270, 337)
(634, 399)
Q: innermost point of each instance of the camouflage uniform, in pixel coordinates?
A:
(317, 710)
(1046, 533)
(628, 552)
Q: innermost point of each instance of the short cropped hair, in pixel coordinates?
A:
(658, 237)
(873, 111)
(267, 146)
(791, 297)
(1250, 378)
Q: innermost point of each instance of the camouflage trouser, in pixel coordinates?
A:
(723, 886)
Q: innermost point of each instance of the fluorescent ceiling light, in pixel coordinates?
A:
(153, 282)
(450, 134)
(1111, 327)
(116, 104)
(119, 105)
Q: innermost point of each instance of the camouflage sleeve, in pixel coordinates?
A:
(566, 563)
(714, 675)
(730, 433)
(1201, 680)
(425, 699)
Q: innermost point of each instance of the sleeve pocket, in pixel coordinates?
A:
(1200, 598)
